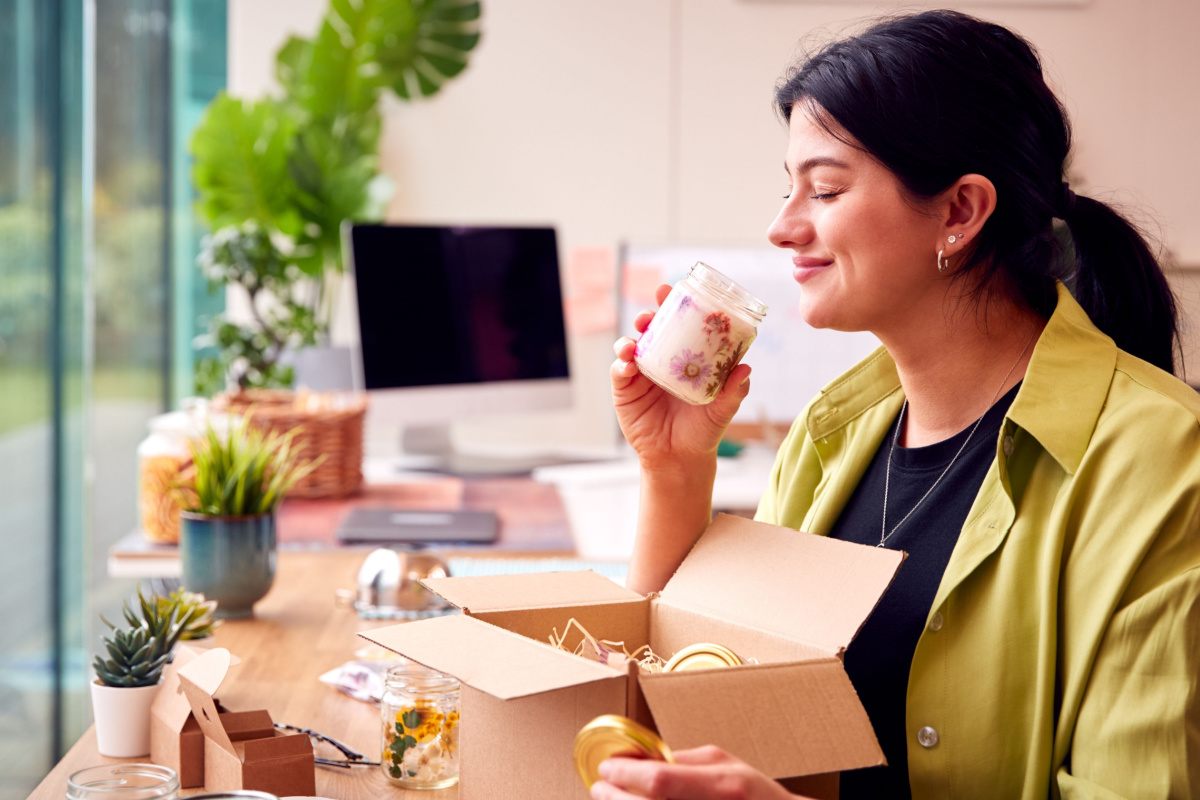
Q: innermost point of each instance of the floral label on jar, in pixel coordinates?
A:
(420, 746)
(692, 345)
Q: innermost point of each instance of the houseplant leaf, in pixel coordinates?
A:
(241, 153)
(332, 168)
(444, 33)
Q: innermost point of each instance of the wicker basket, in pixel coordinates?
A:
(330, 423)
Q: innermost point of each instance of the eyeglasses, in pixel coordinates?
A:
(353, 758)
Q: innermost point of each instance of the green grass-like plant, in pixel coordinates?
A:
(242, 472)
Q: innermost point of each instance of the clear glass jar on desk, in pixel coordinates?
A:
(124, 782)
(420, 728)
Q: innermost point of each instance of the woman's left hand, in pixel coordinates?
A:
(705, 773)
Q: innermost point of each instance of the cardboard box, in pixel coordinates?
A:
(176, 740)
(789, 600)
(243, 750)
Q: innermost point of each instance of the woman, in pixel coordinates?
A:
(1023, 441)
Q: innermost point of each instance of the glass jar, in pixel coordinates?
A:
(123, 782)
(699, 335)
(420, 728)
(162, 457)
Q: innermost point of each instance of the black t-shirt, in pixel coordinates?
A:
(878, 660)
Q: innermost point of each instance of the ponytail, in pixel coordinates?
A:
(1119, 283)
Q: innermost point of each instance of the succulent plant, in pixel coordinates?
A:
(162, 621)
(194, 611)
(131, 659)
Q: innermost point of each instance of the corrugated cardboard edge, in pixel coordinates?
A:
(533, 590)
(499, 662)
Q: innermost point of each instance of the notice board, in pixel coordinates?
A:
(791, 360)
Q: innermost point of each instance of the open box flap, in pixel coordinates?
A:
(503, 664)
(536, 590)
(201, 678)
(784, 719)
(171, 705)
(810, 588)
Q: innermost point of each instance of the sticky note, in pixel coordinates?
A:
(592, 269)
(590, 313)
(640, 280)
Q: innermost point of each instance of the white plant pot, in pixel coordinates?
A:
(122, 719)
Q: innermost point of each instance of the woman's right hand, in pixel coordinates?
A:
(661, 428)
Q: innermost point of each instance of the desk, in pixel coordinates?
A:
(531, 515)
(298, 633)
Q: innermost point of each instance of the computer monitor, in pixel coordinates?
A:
(456, 321)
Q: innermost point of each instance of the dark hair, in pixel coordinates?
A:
(940, 94)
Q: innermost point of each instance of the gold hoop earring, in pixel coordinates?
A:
(943, 264)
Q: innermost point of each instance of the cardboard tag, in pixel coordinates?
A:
(201, 679)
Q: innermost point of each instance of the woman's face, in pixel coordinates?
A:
(863, 255)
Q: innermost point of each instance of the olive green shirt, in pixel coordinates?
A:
(1062, 652)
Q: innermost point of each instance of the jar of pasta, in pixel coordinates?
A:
(163, 461)
(420, 728)
(699, 335)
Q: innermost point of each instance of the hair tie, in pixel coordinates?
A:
(1064, 201)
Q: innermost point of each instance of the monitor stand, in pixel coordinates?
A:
(430, 448)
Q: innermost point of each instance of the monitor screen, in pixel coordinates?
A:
(447, 306)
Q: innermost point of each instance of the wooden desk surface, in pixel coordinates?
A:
(298, 633)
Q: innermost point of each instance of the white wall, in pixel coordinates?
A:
(651, 120)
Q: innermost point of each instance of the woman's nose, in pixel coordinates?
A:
(790, 228)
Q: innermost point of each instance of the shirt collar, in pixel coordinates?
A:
(1059, 401)
(1066, 383)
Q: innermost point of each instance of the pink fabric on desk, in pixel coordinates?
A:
(531, 514)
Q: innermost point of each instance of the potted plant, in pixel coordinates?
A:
(227, 525)
(127, 680)
(198, 616)
(301, 163)
(194, 613)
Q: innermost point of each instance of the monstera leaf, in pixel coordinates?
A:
(241, 171)
(417, 45)
(331, 75)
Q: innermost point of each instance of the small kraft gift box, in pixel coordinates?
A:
(243, 750)
(787, 603)
(176, 740)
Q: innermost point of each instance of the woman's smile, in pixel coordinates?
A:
(805, 267)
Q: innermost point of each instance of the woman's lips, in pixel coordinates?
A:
(805, 267)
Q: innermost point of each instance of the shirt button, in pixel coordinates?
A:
(935, 624)
(1008, 445)
(927, 737)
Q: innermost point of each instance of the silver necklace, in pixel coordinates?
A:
(884, 533)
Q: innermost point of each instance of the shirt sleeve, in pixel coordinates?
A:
(1137, 729)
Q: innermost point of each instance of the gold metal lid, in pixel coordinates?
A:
(612, 735)
(702, 656)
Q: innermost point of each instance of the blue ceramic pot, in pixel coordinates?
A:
(228, 559)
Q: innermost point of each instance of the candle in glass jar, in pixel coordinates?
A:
(699, 335)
